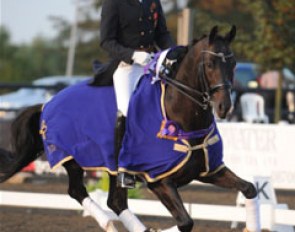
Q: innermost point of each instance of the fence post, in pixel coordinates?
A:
(185, 27)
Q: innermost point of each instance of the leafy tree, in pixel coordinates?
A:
(265, 28)
(224, 14)
(24, 63)
(265, 34)
(10, 64)
(87, 46)
(272, 45)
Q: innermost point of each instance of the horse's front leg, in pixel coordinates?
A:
(167, 193)
(227, 179)
(117, 201)
(78, 191)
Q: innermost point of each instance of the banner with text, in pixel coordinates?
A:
(260, 150)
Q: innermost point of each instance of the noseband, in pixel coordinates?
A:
(201, 98)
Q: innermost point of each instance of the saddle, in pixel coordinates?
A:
(103, 72)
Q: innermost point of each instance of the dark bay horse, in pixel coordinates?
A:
(196, 81)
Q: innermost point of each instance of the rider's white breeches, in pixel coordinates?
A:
(125, 79)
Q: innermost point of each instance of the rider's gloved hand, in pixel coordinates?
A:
(141, 58)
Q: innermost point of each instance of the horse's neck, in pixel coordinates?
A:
(180, 108)
(186, 113)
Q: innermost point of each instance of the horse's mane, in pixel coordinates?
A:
(196, 40)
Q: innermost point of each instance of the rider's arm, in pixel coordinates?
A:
(109, 32)
(162, 35)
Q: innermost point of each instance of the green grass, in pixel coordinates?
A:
(103, 184)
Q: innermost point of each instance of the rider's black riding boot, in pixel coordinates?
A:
(124, 180)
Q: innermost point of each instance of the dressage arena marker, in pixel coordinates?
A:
(149, 207)
(267, 197)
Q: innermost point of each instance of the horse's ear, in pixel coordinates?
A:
(232, 34)
(213, 34)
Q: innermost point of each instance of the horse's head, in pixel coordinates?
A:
(198, 78)
(215, 67)
(211, 60)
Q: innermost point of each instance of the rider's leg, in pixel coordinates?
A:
(125, 79)
(124, 180)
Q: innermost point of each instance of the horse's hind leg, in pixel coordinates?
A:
(167, 193)
(117, 201)
(227, 179)
(78, 191)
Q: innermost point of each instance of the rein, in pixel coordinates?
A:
(207, 90)
(186, 90)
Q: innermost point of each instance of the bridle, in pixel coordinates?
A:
(223, 85)
(201, 98)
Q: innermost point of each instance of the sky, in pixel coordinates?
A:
(25, 19)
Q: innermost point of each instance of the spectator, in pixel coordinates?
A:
(269, 80)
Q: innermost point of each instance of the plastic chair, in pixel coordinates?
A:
(252, 105)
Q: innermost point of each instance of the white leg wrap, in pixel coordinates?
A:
(172, 229)
(96, 212)
(131, 222)
(252, 215)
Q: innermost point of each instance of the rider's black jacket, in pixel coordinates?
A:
(126, 26)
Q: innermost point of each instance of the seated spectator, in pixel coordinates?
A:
(269, 80)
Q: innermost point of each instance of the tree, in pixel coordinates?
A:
(24, 63)
(272, 45)
(11, 63)
(5, 54)
(273, 38)
(87, 46)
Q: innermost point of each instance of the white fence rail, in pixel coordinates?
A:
(269, 215)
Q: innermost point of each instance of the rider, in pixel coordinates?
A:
(130, 31)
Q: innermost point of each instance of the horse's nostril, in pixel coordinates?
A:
(221, 107)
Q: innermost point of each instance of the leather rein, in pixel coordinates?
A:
(207, 91)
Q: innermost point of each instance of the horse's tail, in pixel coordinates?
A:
(26, 143)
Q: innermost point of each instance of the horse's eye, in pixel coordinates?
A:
(210, 65)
